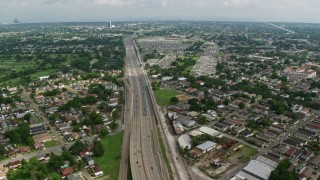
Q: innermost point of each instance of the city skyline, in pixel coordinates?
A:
(123, 10)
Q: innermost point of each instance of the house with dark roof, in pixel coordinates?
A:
(88, 160)
(315, 161)
(96, 171)
(14, 164)
(306, 155)
(66, 171)
(36, 129)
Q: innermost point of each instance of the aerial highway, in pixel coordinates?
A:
(141, 136)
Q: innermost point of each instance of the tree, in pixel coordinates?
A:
(76, 128)
(174, 100)
(77, 147)
(80, 165)
(226, 102)
(33, 169)
(68, 156)
(55, 162)
(3, 151)
(27, 116)
(98, 149)
(103, 133)
(20, 135)
(282, 172)
(202, 120)
(116, 113)
(242, 105)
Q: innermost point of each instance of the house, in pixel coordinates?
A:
(240, 129)
(43, 157)
(11, 153)
(178, 128)
(111, 86)
(86, 152)
(312, 126)
(88, 160)
(246, 133)
(221, 126)
(186, 121)
(315, 161)
(75, 135)
(66, 171)
(74, 176)
(263, 137)
(294, 141)
(290, 152)
(24, 149)
(14, 164)
(296, 108)
(300, 168)
(97, 171)
(206, 146)
(306, 155)
(113, 102)
(38, 139)
(38, 128)
(195, 133)
(257, 141)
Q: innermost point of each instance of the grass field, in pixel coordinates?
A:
(245, 153)
(110, 161)
(43, 73)
(163, 96)
(10, 63)
(50, 144)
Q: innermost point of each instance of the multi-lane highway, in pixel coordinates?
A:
(141, 134)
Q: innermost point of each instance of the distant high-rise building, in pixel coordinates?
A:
(16, 21)
(110, 25)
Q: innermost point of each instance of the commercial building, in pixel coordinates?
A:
(184, 141)
(209, 131)
(206, 146)
(255, 170)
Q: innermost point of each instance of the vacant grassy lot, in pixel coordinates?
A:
(244, 153)
(50, 144)
(110, 161)
(163, 96)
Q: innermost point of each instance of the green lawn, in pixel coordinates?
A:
(50, 144)
(43, 73)
(245, 153)
(110, 161)
(163, 96)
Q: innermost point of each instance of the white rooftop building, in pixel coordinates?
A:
(184, 141)
(267, 161)
(195, 133)
(209, 131)
(207, 146)
(255, 170)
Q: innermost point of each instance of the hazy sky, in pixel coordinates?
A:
(105, 10)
